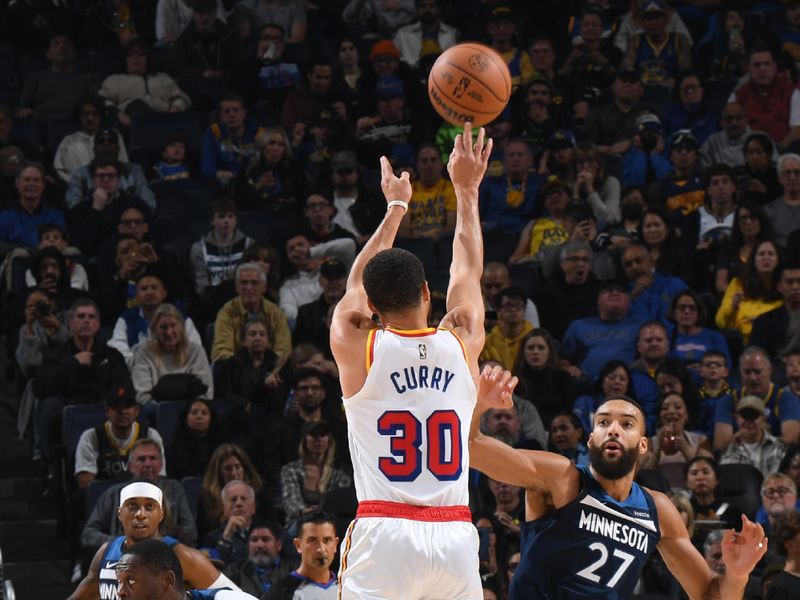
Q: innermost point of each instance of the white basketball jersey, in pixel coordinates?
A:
(409, 424)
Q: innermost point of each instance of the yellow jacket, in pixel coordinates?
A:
(233, 316)
(502, 349)
(743, 317)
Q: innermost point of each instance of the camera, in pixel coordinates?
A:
(649, 141)
(42, 309)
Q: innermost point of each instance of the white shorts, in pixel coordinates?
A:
(401, 552)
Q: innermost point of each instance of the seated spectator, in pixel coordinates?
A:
(102, 451)
(644, 164)
(778, 498)
(690, 111)
(501, 28)
(783, 410)
(145, 463)
(312, 324)
(632, 207)
(673, 446)
(546, 230)
(44, 329)
(133, 325)
(357, 209)
(651, 292)
(51, 235)
(503, 341)
(611, 127)
(682, 191)
(652, 346)
(784, 212)
(141, 89)
(129, 178)
(251, 284)
(432, 208)
(690, 339)
(558, 150)
(11, 161)
(541, 380)
(167, 354)
(265, 255)
(53, 92)
(51, 272)
(249, 377)
(304, 481)
(672, 377)
(229, 462)
(658, 54)
(317, 225)
(567, 438)
(19, 225)
(249, 16)
(790, 465)
(230, 540)
(714, 389)
(768, 99)
(593, 58)
(427, 35)
(731, 43)
(272, 181)
(230, 142)
(196, 437)
(591, 342)
(80, 371)
(173, 17)
(750, 227)
(727, 146)
(712, 551)
(174, 162)
(76, 150)
(11, 141)
(787, 527)
(496, 277)
(614, 379)
(264, 565)
(215, 256)
(307, 356)
(519, 426)
(542, 124)
(752, 444)
(314, 148)
(508, 202)
(760, 178)
(304, 286)
(591, 184)
(663, 243)
(752, 293)
(306, 102)
(347, 70)
(702, 479)
(773, 330)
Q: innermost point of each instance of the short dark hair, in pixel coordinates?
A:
(712, 463)
(714, 353)
(306, 374)
(48, 227)
(631, 401)
(512, 292)
(98, 163)
(717, 170)
(316, 518)
(786, 527)
(393, 280)
(573, 418)
(222, 206)
(273, 527)
(158, 558)
(610, 367)
(94, 100)
(275, 26)
(652, 323)
(231, 97)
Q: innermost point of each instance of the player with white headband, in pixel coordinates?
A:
(141, 511)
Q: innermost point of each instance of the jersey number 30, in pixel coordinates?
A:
(443, 436)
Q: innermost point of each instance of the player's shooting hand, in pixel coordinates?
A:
(496, 387)
(394, 187)
(468, 162)
(741, 551)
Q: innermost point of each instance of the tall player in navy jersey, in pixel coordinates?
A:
(589, 530)
(409, 393)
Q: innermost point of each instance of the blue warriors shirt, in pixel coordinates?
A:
(594, 547)
(108, 573)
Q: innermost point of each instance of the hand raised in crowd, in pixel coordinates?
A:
(148, 254)
(100, 199)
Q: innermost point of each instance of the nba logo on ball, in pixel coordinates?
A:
(469, 82)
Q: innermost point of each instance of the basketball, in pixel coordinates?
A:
(469, 82)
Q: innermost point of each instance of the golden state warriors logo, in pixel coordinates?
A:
(478, 63)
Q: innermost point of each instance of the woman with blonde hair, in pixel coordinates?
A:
(304, 481)
(169, 354)
(228, 463)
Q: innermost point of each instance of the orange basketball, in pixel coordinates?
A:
(469, 82)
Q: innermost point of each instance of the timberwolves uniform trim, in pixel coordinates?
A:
(593, 547)
(108, 575)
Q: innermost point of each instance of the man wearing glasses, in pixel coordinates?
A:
(778, 497)
(784, 212)
(727, 146)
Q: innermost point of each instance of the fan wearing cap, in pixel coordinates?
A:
(501, 28)
(388, 16)
(753, 444)
(593, 57)
(313, 318)
(141, 513)
(610, 127)
(683, 191)
(357, 208)
(559, 153)
(659, 55)
(432, 209)
(643, 162)
(427, 35)
(632, 23)
(547, 230)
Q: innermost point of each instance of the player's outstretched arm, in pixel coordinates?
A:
(740, 552)
(89, 587)
(199, 572)
(467, 165)
(524, 468)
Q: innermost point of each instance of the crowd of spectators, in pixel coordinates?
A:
(184, 185)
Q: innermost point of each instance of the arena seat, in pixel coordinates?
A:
(741, 486)
(167, 414)
(151, 131)
(498, 245)
(527, 275)
(96, 489)
(76, 419)
(57, 129)
(191, 487)
(716, 93)
(657, 98)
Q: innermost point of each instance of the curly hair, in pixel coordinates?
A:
(393, 280)
(786, 528)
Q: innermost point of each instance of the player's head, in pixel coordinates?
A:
(618, 437)
(150, 570)
(140, 510)
(394, 281)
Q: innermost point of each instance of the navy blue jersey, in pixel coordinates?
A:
(218, 594)
(593, 547)
(108, 575)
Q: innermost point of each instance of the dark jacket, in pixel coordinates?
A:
(560, 303)
(246, 576)
(310, 325)
(195, 53)
(769, 331)
(63, 376)
(237, 380)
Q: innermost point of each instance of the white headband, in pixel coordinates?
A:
(140, 489)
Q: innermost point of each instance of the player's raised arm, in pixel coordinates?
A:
(467, 166)
(740, 553)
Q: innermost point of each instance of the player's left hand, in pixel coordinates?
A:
(742, 550)
(496, 387)
(468, 162)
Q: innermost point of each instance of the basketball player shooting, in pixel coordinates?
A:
(589, 530)
(409, 393)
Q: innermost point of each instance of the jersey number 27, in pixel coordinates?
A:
(443, 436)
